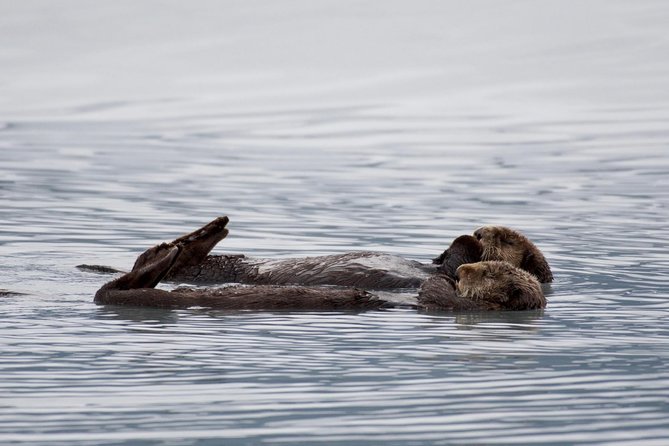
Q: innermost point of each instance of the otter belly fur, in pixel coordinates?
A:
(368, 270)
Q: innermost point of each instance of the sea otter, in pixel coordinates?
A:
(502, 243)
(478, 286)
(487, 285)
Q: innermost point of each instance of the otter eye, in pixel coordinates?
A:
(506, 241)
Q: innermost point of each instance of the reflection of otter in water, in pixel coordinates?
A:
(478, 286)
(501, 243)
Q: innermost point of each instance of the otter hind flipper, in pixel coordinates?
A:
(147, 272)
(196, 245)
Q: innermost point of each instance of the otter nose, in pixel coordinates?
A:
(478, 234)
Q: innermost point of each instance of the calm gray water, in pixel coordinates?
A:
(323, 127)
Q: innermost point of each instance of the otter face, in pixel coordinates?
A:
(502, 243)
(500, 285)
(475, 279)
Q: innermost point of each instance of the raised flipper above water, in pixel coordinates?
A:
(196, 246)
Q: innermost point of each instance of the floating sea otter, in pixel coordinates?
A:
(368, 270)
(477, 286)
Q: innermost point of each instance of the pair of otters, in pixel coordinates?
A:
(496, 269)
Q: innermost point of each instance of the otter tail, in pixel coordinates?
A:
(100, 269)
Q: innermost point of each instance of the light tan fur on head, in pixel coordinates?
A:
(500, 285)
(502, 243)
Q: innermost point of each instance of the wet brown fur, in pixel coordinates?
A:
(481, 286)
(464, 249)
(438, 294)
(489, 285)
(502, 243)
(500, 285)
(348, 269)
(240, 297)
(136, 288)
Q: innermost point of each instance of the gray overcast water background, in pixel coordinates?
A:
(323, 127)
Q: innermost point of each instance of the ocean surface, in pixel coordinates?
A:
(324, 127)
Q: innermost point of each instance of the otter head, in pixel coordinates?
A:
(502, 243)
(464, 249)
(499, 285)
(476, 280)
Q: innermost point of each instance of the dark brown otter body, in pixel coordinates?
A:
(502, 243)
(481, 287)
(367, 270)
(240, 297)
